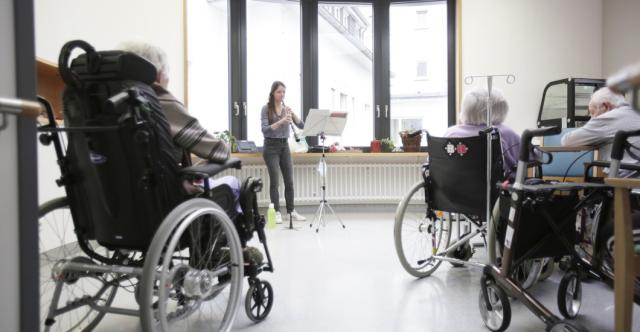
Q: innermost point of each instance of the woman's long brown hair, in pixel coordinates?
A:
(271, 105)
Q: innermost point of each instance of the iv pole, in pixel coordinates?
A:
(468, 81)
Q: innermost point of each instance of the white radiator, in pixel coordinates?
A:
(346, 183)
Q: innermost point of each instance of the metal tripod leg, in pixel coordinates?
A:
(319, 218)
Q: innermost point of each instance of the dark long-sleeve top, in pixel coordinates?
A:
(280, 132)
(187, 132)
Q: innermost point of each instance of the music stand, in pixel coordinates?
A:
(321, 123)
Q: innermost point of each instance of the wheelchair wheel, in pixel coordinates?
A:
(498, 317)
(259, 300)
(192, 276)
(570, 295)
(57, 241)
(417, 237)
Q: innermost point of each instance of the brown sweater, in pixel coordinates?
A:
(187, 131)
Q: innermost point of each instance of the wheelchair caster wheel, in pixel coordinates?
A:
(565, 326)
(570, 294)
(495, 309)
(259, 300)
(463, 252)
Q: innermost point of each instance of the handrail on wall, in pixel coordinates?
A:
(22, 107)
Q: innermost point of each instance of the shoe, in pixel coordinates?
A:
(278, 218)
(297, 216)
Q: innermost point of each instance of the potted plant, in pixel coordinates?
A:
(228, 138)
(386, 145)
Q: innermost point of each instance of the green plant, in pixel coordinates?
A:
(386, 145)
(228, 138)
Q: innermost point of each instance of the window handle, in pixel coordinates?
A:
(378, 111)
(386, 111)
(244, 107)
(236, 108)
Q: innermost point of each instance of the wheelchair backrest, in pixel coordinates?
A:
(457, 180)
(121, 177)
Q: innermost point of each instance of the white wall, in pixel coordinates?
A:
(537, 41)
(9, 301)
(621, 28)
(105, 24)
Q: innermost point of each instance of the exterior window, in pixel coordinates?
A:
(421, 70)
(345, 68)
(422, 19)
(418, 86)
(271, 59)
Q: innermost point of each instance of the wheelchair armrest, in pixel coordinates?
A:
(209, 170)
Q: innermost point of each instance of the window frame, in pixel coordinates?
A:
(309, 62)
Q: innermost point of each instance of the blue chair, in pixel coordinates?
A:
(565, 164)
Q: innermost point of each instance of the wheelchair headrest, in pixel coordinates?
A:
(103, 65)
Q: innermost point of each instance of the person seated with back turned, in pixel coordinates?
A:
(186, 131)
(610, 112)
(473, 116)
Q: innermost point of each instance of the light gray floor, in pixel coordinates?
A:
(350, 280)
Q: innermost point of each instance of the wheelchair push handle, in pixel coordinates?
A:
(528, 134)
(619, 143)
(69, 77)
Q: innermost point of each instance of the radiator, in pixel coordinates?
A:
(345, 183)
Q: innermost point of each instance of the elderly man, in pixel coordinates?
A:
(186, 131)
(610, 112)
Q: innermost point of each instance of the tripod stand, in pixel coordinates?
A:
(319, 218)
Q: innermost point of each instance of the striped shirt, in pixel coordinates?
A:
(187, 132)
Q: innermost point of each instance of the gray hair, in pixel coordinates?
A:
(605, 95)
(152, 53)
(474, 107)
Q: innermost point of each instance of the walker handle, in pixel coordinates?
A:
(525, 141)
(619, 142)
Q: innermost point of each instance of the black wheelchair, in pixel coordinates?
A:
(127, 224)
(454, 188)
(547, 220)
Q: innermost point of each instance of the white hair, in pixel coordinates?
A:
(474, 107)
(152, 53)
(605, 95)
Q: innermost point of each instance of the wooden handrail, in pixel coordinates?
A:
(26, 108)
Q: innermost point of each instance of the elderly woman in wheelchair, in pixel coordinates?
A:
(127, 223)
(455, 186)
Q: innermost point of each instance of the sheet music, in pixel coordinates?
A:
(324, 121)
(336, 123)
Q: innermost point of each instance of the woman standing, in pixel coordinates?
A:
(276, 120)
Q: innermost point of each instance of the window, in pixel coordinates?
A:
(343, 102)
(345, 63)
(418, 102)
(421, 70)
(273, 54)
(555, 102)
(208, 93)
(342, 62)
(583, 96)
(421, 19)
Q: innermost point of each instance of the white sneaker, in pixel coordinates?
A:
(278, 218)
(297, 216)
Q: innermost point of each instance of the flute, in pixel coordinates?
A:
(295, 135)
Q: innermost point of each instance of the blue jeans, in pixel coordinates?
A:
(277, 156)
